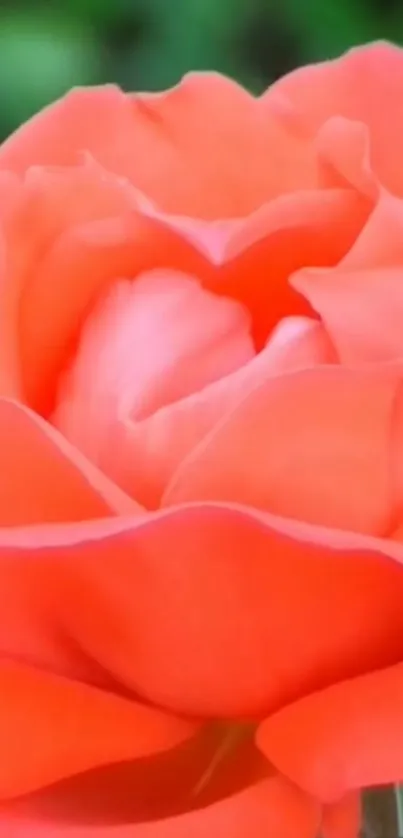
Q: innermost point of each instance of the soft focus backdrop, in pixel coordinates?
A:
(148, 44)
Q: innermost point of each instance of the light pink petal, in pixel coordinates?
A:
(147, 453)
(298, 342)
(148, 344)
(156, 447)
(156, 340)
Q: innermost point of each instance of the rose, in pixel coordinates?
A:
(200, 429)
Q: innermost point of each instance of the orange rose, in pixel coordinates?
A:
(201, 483)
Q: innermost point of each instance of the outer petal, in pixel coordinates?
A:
(362, 85)
(174, 145)
(212, 611)
(346, 737)
(315, 445)
(43, 479)
(98, 120)
(189, 775)
(361, 300)
(272, 807)
(51, 727)
(10, 372)
(204, 117)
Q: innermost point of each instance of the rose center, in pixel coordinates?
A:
(148, 344)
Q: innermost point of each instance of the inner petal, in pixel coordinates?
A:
(148, 343)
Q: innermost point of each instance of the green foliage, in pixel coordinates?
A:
(149, 44)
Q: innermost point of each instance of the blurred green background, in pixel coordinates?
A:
(147, 44)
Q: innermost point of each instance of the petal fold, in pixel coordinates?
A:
(272, 807)
(342, 739)
(307, 445)
(52, 727)
(44, 479)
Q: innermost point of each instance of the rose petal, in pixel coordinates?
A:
(73, 231)
(51, 727)
(52, 201)
(173, 145)
(347, 737)
(342, 819)
(362, 85)
(97, 119)
(153, 788)
(304, 228)
(190, 129)
(10, 372)
(150, 451)
(108, 233)
(147, 453)
(344, 151)
(361, 300)
(148, 344)
(296, 343)
(315, 227)
(272, 807)
(316, 446)
(43, 479)
(209, 610)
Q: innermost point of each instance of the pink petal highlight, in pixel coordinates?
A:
(149, 344)
(298, 342)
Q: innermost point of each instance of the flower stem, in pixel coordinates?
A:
(381, 814)
(399, 809)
